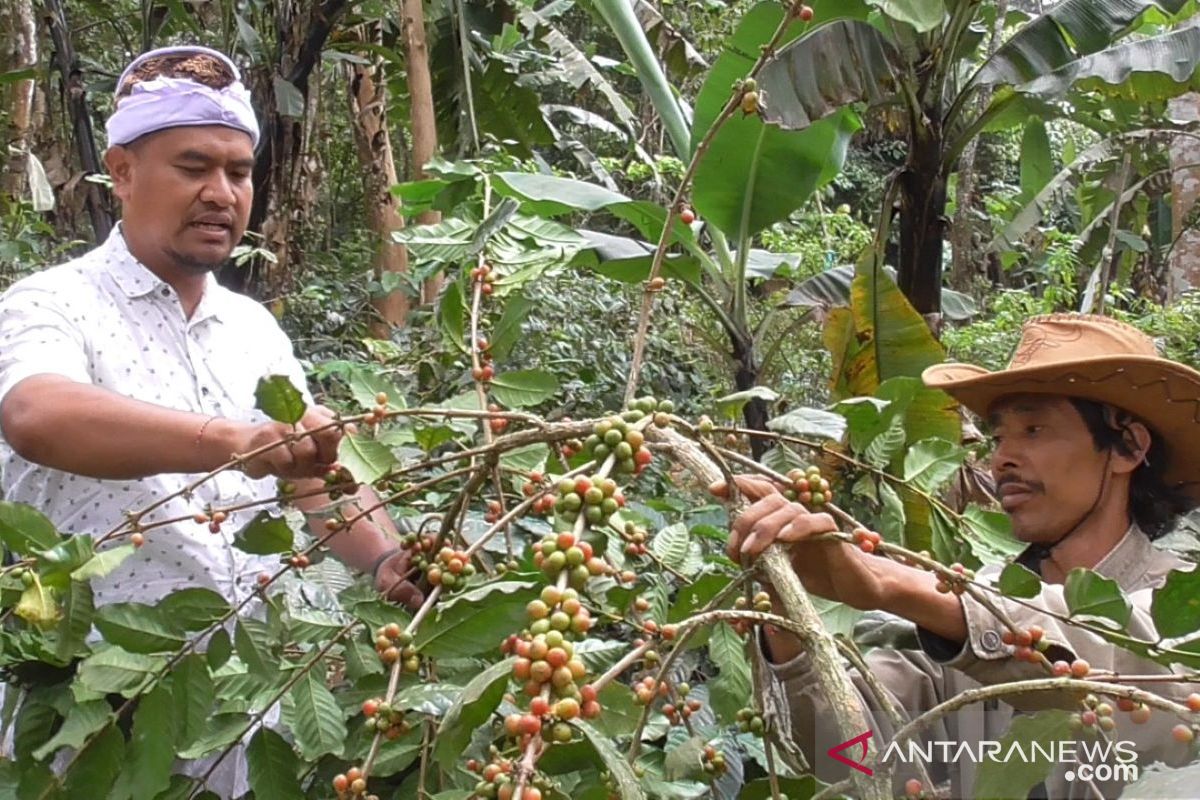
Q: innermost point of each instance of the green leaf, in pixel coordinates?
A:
(39, 606)
(1158, 780)
(194, 609)
(1037, 163)
(1175, 606)
(82, 720)
(467, 624)
(222, 731)
(95, 770)
(893, 520)
(1013, 778)
(801, 88)
(549, 195)
(731, 687)
(810, 423)
(315, 718)
(249, 639)
(367, 459)
(289, 100)
(116, 670)
(151, 755)
(887, 445)
(524, 388)
(1019, 581)
(272, 766)
(78, 610)
(450, 313)
(433, 699)
(671, 544)
(923, 15)
(930, 463)
(193, 693)
(732, 404)
(990, 535)
(470, 710)
(265, 535)
(56, 564)
(24, 529)
(755, 174)
(365, 383)
(1090, 594)
(627, 784)
(276, 397)
(103, 562)
(138, 628)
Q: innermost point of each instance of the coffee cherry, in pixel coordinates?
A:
(1140, 715)
(912, 788)
(1080, 668)
(1193, 702)
(805, 13)
(1061, 669)
(1183, 733)
(137, 540)
(656, 284)
(687, 216)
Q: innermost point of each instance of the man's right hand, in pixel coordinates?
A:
(307, 457)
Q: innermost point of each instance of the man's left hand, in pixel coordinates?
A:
(391, 579)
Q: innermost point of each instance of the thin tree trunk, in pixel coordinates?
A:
(745, 377)
(923, 223)
(20, 54)
(965, 258)
(424, 123)
(368, 114)
(285, 178)
(75, 100)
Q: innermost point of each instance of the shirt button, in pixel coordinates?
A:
(990, 640)
(204, 390)
(166, 292)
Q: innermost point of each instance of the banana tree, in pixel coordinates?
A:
(920, 60)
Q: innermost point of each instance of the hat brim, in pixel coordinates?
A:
(1162, 393)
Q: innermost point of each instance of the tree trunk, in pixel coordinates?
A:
(368, 115)
(285, 171)
(745, 377)
(75, 100)
(20, 54)
(922, 221)
(424, 123)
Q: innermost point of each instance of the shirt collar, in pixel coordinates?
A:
(1125, 563)
(136, 280)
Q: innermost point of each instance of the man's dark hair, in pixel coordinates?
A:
(200, 67)
(1154, 504)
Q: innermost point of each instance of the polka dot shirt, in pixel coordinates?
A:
(107, 320)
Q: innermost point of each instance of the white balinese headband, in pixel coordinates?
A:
(163, 102)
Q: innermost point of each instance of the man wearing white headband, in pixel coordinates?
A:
(127, 373)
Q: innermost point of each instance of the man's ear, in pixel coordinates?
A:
(119, 161)
(1140, 444)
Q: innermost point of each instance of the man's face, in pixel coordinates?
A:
(185, 195)
(1048, 471)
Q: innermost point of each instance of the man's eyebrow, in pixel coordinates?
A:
(196, 155)
(1020, 407)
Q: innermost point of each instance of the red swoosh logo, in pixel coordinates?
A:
(835, 752)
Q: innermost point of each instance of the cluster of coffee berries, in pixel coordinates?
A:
(761, 602)
(421, 548)
(299, 560)
(712, 761)
(1139, 713)
(543, 503)
(687, 706)
(751, 720)
(866, 540)
(635, 538)
(485, 371)
(485, 276)
(393, 644)
(25, 576)
(563, 551)
(808, 487)
(1096, 714)
(339, 481)
(352, 784)
(596, 498)
(213, 520)
(496, 424)
(1078, 669)
(379, 412)
(945, 584)
(382, 718)
(645, 690)
(497, 781)
(614, 436)
(1030, 642)
(451, 570)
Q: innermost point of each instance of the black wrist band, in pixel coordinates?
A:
(379, 561)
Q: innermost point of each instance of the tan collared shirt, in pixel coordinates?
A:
(918, 680)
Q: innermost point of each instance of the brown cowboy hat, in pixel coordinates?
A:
(1095, 358)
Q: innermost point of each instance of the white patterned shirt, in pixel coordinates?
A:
(107, 320)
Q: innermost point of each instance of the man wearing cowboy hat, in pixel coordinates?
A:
(1095, 440)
